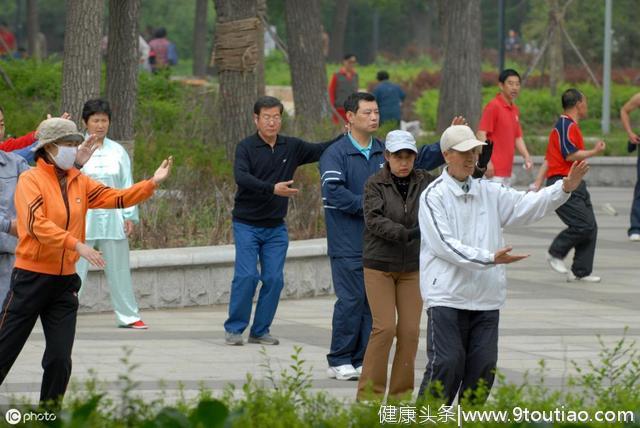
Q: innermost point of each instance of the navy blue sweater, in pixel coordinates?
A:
(258, 167)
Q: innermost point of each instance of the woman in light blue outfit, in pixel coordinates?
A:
(108, 230)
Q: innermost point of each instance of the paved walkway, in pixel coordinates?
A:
(545, 318)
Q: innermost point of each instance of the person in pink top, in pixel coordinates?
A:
(500, 123)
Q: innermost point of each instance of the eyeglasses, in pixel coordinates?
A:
(274, 119)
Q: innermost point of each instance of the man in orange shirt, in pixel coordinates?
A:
(500, 123)
(343, 83)
(566, 146)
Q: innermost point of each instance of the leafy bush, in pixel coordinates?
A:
(285, 399)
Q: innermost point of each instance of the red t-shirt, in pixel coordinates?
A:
(10, 41)
(500, 120)
(565, 138)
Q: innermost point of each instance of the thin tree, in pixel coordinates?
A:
(261, 12)
(200, 31)
(33, 28)
(122, 69)
(556, 58)
(236, 56)
(308, 75)
(81, 60)
(338, 29)
(460, 91)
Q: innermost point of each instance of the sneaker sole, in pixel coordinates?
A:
(333, 375)
(259, 342)
(234, 343)
(553, 268)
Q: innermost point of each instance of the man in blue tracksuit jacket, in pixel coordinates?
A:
(344, 169)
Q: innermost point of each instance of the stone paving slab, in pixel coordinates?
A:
(544, 318)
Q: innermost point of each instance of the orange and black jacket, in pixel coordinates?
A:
(49, 226)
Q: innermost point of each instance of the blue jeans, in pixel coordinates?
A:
(635, 205)
(269, 246)
(351, 325)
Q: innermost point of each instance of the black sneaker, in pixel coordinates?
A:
(265, 339)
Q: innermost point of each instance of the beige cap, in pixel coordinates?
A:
(460, 138)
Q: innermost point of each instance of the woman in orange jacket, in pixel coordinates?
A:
(51, 202)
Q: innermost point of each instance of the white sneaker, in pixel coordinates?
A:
(557, 264)
(634, 237)
(589, 278)
(359, 370)
(343, 372)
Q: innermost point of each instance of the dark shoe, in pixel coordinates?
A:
(265, 339)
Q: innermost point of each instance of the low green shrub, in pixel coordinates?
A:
(607, 389)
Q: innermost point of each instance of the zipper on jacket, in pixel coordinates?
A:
(65, 198)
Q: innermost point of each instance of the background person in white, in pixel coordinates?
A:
(108, 230)
(462, 253)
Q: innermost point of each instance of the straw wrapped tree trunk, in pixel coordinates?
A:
(236, 57)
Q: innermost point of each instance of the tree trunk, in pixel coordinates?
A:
(460, 91)
(236, 58)
(375, 33)
(308, 75)
(556, 59)
(261, 12)
(338, 29)
(421, 26)
(81, 60)
(122, 70)
(33, 28)
(200, 32)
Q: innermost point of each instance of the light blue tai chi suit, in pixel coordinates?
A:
(110, 165)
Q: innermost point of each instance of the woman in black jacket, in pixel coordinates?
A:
(391, 268)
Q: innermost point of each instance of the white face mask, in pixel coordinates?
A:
(66, 156)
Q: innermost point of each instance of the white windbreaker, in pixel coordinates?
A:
(461, 232)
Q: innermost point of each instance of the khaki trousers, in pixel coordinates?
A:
(388, 293)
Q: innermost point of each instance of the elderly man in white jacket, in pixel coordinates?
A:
(462, 258)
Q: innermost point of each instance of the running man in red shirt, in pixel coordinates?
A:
(566, 146)
(343, 83)
(500, 123)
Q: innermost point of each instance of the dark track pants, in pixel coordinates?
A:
(351, 325)
(581, 233)
(53, 298)
(635, 204)
(462, 349)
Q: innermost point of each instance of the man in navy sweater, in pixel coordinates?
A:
(344, 169)
(264, 166)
